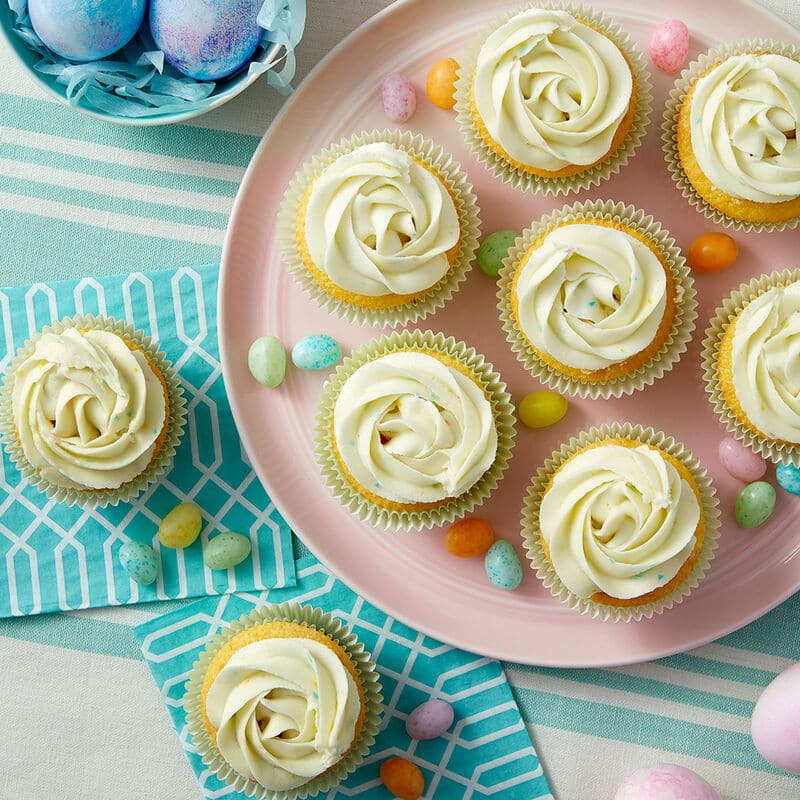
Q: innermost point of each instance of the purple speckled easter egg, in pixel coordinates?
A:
(429, 720)
(665, 782)
(669, 45)
(206, 39)
(86, 30)
(776, 721)
(399, 97)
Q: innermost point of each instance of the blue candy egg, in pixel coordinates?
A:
(788, 478)
(206, 39)
(503, 567)
(316, 351)
(140, 561)
(86, 30)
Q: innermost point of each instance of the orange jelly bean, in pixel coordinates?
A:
(402, 778)
(712, 252)
(441, 83)
(469, 537)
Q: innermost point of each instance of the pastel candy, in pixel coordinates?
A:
(266, 360)
(754, 504)
(181, 526)
(440, 83)
(669, 45)
(226, 550)
(740, 460)
(140, 561)
(776, 721)
(503, 567)
(430, 719)
(788, 478)
(665, 782)
(541, 409)
(399, 97)
(494, 248)
(316, 351)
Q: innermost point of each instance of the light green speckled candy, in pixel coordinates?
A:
(226, 550)
(494, 248)
(140, 561)
(754, 504)
(503, 567)
(266, 360)
(181, 526)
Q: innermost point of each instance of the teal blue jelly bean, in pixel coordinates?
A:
(503, 567)
(226, 550)
(316, 351)
(788, 477)
(140, 561)
(754, 504)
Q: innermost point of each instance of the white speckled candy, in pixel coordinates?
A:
(776, 721)
(430, 719)
(665, 782)
(226, 550)
(399, 97)
(316, 351)
(669, 45)
(266, 360)
(503, 567)
(741, 461)
(140, 561)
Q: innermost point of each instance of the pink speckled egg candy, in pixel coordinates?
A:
(776, 721)
(665, 782)
(669, 45)
(399, 97)
(741, 461)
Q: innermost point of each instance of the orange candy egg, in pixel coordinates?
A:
(712, 252)
(469, 537)
(402, 778)
(441, 83)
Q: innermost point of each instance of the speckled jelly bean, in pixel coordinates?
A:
(266, 360)
(429, 720)
(402, 778)
(399, 97)
(665, 782)
(181, 526)
(140, 561)
(503, 567)
(669, 45)
(469, 537)
(788, 478)
(741, 461)
(226, 550)
(540, 409)
(494, 248)
(440, 83)
(754, 504)
(316, 351)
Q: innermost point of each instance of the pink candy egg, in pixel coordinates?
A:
(665, 782)
(429, 720)
(741, 461)
(399, 97)
(776, 721)
(669, 45)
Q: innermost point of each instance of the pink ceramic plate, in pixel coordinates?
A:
(411, 575)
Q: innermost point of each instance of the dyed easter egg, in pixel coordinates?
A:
(788, 478)
(226, 550)
(503, 567)
(440, 83)
(776, 721)
(429, 720)
(754, 504)
(266, 360)
(669, 45)
(494, 248)
(665, 782)
(316, 351)
(206, 39)
(402, 778)
(399, 97)
(181, 526)
(712, 252)
(140, 561)
(741, 461)
(540, 409)
(86, 30)
(469, 537)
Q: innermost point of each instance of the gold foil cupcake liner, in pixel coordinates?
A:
(592, 175)
(669, 127)
(451, 508)
(175, 422)
(460, 190)
(546, 572)
(336, 630)
(777, 452)
(675, 343)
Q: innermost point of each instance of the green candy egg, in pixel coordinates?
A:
(494, 248)
(181, 526)
(226, 550)
(266, 360)
(754, 504)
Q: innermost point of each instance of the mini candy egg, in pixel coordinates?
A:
(776, 721)
(540, 409)
(86, 30)
(266, 360)
(669, 45)
(181, 526)
(226, 550)
(206, 39)
(429, 720)
(665, 782)
(402, 778)
(503, 567)
(741, 461)
(712, 252)
(494, 248)
(754, 504)
(316, 351)
(788, 478)
(399, 97)
(140, 561)
(440, 84)
(469, 537)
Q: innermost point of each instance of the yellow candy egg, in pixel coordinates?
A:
(540, 409)
(181, 526)
(441, 83)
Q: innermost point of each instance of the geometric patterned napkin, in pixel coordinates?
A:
(487, 751)
(57, 558)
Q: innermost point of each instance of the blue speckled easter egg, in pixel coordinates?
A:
(316, 351)
(140, 561)
(206, 39)
(788, 478)
(503, 566)
(226, 550)
(86, 30)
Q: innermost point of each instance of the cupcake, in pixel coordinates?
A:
(731, 128)
(414, 429)
(380, 228)
(91, 411)
(749, 358)
(283, 703)
(596, 300)
(621, 522)
(553, 98)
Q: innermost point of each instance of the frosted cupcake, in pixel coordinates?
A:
(380, 228)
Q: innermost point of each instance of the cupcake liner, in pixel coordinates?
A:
(460, 189)
(337, 630)
(669, 127)
(450, 508)
(176, 421)
(673, 346)
(777, 452)
(545, 570)
(593, 175)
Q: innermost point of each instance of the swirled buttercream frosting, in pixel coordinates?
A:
(551, 90)
(377, 222)
(765, 362)
(619, 520)
(412, 429)
(88, 410)
(285, 711)
(745, 124)
(590, 296)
